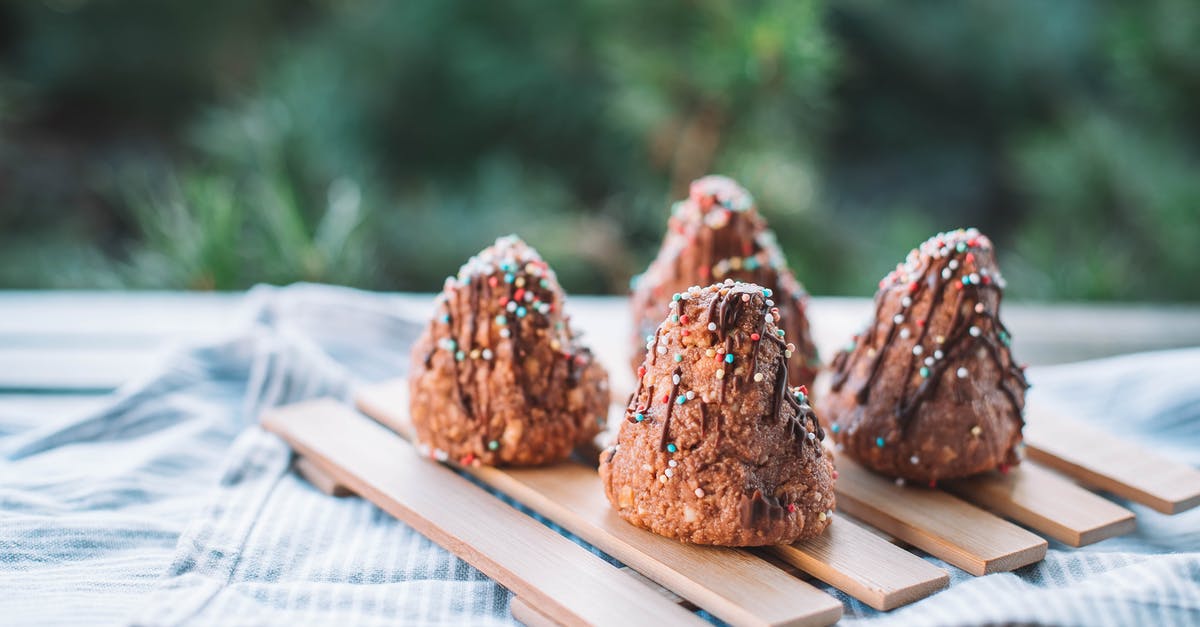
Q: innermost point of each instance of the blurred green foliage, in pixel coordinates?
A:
(213, 145)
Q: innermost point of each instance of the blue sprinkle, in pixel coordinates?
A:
(521, 312)
(501, 320)
(509, 278)
(767, 292)
(678, 357)
(639, 417)
(729, 358)
(879, 442)
(446, 318)
(681, 399)
(675, 297)
(835, 427)
(459, 356)
(671, 448)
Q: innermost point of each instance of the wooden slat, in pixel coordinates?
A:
(320, 478)
(865, 566)
(567, 583)
(1047, 502)
(1110, 463)
(936, 522)
(853, 560)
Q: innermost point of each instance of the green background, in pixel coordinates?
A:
(213, 145)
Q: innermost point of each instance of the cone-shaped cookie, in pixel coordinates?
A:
(717, 233)
(929, 390)
(716, 447)
(497, 377)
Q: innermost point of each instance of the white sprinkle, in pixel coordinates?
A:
(974, 331)
(668, 472)
(906, 302)
(962, 373)
(900, 482)
(675, 379)
(953, 264)
(662, 478)
(898, 318)
(938, 354)
(928, 361)
(690, 395)
(505, 332)
(946, 273)
(662, 350)
(758, 376)
(712, 326)
(787, 354)
(699, 493)
(904, 333)
(720, 374)
(978, 307)
(769, 318)
(487, 353)
(672, 463)
(914, 460)
(511, 306)
(975, 278)
(812, 436)
(918, 349)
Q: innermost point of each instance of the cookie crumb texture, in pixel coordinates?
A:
(498, 378)
(716, 447)
(715, 234)
(930, 390)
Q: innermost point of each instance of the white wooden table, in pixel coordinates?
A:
(62, 352)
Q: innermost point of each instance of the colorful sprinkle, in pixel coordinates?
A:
(681, 399)
(758, 376)
(699, 493)
(639, 417)
(678, 357)
(879, 442)
(962, 373)
(835, 427)
(493, 445)
(671, 448)
(924, 372)
(729, 358)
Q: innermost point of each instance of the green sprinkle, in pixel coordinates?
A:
(925, 371)
(678, 357)
(493, 445)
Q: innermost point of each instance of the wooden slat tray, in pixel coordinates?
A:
(851, 559)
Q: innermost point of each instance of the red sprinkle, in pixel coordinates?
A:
(683, 319)
(804, 390)
(519, 294)
(667, 397)
(970, 258)
(641, 371)
(920, 323)
(912, 287)
(792, 508)
(754, 337)
(835, 474)
(704, 272)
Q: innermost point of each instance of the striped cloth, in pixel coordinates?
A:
(171, 507)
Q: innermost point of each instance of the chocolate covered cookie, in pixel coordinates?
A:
(930, 390)
(498, 377)
(717, 233)
(716, 446)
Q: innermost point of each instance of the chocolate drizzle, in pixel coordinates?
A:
(757, 508)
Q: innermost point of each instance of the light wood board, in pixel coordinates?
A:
(859, 563)
(936, 522)
(1047, 502)
(1110, 463)
(566, 582)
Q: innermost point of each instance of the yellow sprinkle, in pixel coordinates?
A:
(821, 517)
(975, 431)
(520, 282)
(720, 374)
(758, 376)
